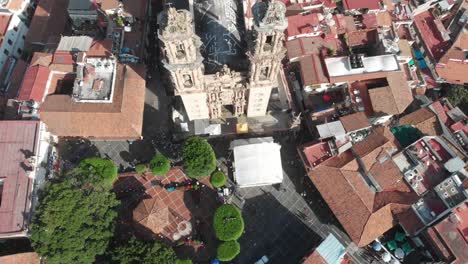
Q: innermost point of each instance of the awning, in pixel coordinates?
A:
(257, 162)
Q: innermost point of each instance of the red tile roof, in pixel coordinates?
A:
(303, 24)
(315, 154)
(67, 118)
(362, 37)
(357, 4)
(452, 66)
(17, 138)
(430, 34)
(355, 121)
(63, 57)
(370, 20)
(313, 70)
(34, 84)
(100, 48)
(49, 22)
(450, 236)
(364, 214)
(21, 258)
(423, 119)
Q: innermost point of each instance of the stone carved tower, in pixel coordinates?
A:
(265, 57)
(205, 96)
(181, 57)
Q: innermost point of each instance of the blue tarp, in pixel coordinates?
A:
(331, 250)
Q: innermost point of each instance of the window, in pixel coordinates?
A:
(268, 43)
(1, 191)
(15, 29)
(19, 51)
(24, 37)
(188, 80)
(180, 51)
(10, 42)
(6, 52)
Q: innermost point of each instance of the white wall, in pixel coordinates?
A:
(15, 32)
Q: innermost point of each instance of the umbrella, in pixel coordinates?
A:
(376, 246)
(386, 257)
(399, 253)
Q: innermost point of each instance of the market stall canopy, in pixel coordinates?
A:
(257, 162)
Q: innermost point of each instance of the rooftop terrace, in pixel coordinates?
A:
(95, 80)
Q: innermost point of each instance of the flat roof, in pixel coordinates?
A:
(95, 80)
(18, 143)
(340, 66)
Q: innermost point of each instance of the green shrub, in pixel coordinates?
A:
(183, 261)
(227, 251)
(218, 179)
(140, 168)
(228, 223)
(199, 158)
(97, 171)
(160, 165)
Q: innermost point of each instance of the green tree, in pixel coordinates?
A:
(96, 171)
(140, 168)
(199, 158)
(72, 224)
(227, 251)
(135, 252)
(160, 165)
(184, 261)
(218, 179)
(458, 96)
(228, 223)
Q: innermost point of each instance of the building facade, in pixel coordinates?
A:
(206, 96)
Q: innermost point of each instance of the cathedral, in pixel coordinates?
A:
(207, 95)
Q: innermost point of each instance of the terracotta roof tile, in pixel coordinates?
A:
(358, 4)
(34, 84)
(49, 21)
(384, 19)
(423, 119)
(21, 258)
(382, 101)
(364, 213)
(400, 90)
(355, 121)
(4, 22)
(362, 37)
(314, 258)
(41, 58)
(123, 119)
(313, 70)
(16, 138)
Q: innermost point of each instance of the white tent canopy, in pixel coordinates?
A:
(257, 162)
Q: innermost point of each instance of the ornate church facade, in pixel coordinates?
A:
(205, 95)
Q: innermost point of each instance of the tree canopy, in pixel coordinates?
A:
(135, 252)
(198, 157)
(96, 171)
(458, 96)
(228, 223)
(218, 179)
(160, 165)
(72, 224)
(227, 251)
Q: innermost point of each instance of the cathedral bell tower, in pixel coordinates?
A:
(266, 56)
(180, 48)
